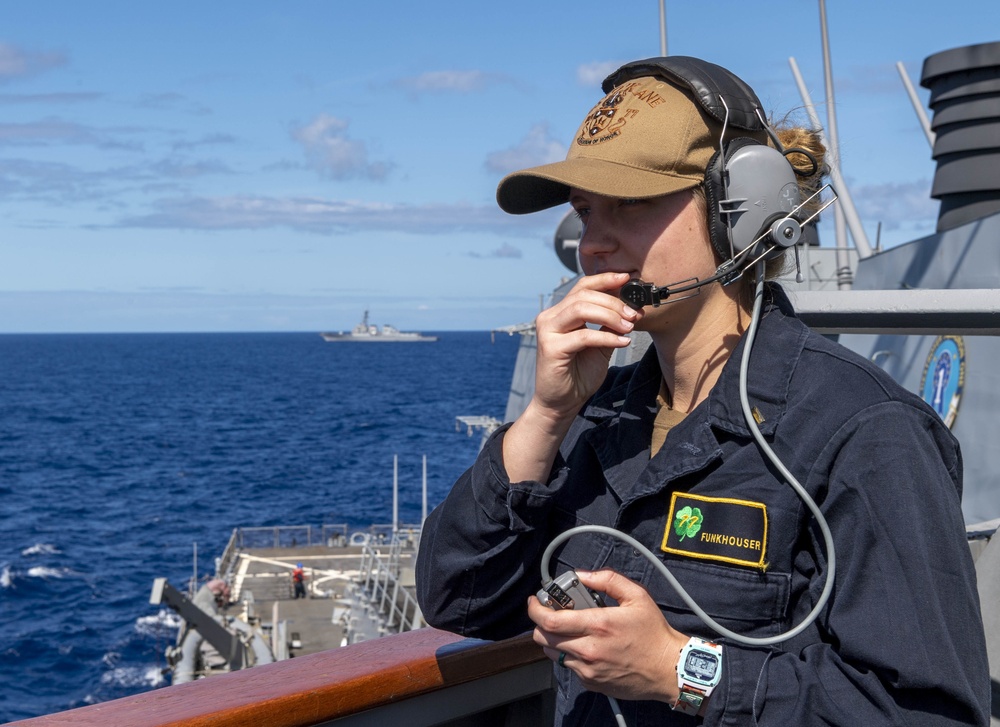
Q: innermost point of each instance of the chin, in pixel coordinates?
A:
(653, 319)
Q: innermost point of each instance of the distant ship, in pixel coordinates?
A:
(365, 331)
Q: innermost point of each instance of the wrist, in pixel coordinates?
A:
(549, 420)
(531, 444)
(544, 426)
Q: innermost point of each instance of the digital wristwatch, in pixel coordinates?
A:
(699, 670)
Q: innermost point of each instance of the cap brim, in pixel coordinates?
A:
(540, 188)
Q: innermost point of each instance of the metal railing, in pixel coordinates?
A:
(383, 587)
(279, 536)
(334, 535)
(225, 564)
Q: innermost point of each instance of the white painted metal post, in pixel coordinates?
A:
(844, 278)
(395, 493)
(918, 107)
(663, 28)
(843, 193)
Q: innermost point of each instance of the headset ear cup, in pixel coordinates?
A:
(714, 188)
(715, 185)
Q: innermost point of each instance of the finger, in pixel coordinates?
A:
(602, 281)
(555, 654)
(559, 649)
(550, 643)
(614, 585)
(556, 626)
(559, 657)
(566, 344)
(587, 306)
(550, 622)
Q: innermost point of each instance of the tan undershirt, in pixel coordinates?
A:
(666, 419)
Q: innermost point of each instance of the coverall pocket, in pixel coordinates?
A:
(742, 599)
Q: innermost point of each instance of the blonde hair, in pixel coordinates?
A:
(809, 170)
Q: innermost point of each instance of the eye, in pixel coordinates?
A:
(581, 212)
(630, 202)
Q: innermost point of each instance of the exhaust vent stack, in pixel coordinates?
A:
(965, 99)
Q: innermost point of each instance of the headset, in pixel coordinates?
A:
(755, 208)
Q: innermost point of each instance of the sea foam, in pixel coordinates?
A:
(41, 549)
(134, 676)
(41, 571)
(163, 622)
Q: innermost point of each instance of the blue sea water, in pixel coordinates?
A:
(119, 452)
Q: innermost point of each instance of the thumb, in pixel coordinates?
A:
(614, 585)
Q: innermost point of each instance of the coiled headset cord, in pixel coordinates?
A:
(789, 477)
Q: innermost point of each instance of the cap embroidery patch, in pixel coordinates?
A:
(607, 119)
(717, 528)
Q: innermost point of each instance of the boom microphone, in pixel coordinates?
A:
(782, 232)
(638, 293)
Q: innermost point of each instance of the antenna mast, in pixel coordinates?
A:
(663, 28)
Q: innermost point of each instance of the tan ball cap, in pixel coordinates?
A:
(646, 138)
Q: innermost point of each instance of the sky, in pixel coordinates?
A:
(263, 166)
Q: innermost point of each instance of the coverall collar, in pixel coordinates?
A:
(623, 416)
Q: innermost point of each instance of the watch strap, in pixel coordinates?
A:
(689, 701)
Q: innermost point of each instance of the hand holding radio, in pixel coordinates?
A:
(629, 651)
(566, 591)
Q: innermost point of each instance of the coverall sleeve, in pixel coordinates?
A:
(901, 640)
(479, 550)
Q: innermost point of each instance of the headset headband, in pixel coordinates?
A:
(707, 81)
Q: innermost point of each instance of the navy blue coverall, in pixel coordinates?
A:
(900, 641)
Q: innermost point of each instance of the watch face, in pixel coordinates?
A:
(701, 665)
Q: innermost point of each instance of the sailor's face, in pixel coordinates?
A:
(661, 240)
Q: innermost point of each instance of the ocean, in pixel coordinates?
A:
(121, 454)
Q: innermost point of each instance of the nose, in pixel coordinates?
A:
(598, 239)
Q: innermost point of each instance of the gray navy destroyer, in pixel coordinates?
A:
(366, 332)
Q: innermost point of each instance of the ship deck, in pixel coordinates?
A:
(263, 585)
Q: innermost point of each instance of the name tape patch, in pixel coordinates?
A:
(717, 528)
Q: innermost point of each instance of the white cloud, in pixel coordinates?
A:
(537, 147)
(209, 139)
(172, 101)
(505, 251)
(592, 74)
(177, 169)
(17, 63)
(329, 150)
(48, 131)
(59, 184)
(896, 206)
(448, 82)
(63, 98)
(337, 217)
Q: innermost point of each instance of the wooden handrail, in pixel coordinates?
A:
(309, 690)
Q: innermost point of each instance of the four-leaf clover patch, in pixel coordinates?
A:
(687, 522)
